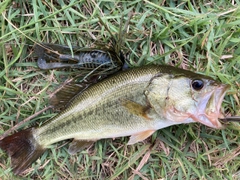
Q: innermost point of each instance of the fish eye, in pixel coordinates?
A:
(197, 84)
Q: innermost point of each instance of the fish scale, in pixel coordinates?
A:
(88, 118)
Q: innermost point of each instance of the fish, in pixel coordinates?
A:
(135, 102)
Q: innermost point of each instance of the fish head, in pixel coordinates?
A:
(208, 100)
(187, 97)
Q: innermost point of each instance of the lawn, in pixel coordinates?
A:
(202, 36)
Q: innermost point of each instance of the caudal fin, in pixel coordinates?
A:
(22, 148)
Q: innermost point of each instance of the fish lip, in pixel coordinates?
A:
(208, 114)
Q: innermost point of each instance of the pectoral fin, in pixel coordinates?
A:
(78, 145)
(140, 136)
(136, 108)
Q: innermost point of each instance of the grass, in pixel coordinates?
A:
(200, 36)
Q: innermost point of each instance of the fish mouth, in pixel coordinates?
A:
(209, 107)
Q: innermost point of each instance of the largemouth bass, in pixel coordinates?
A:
(136, 103)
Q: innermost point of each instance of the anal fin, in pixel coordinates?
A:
(140, 136)
(78, 145)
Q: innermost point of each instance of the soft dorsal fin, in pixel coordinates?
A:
(66, 93)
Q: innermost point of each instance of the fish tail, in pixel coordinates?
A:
(23, 149)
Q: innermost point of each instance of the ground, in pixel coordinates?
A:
(202, 37)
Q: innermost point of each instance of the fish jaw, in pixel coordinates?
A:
(208, 112)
